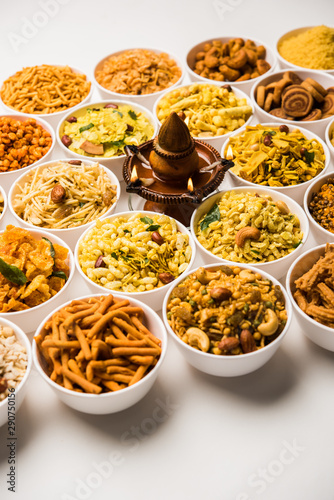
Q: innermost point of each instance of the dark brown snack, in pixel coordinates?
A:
(297, 101)
(315, 114)
(58, 193)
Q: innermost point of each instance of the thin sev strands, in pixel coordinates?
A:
(85, 187)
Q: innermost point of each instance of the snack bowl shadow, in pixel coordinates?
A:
(218, 140)
(112, 402)
(69, 235)
(115, 164)
(296, 192)
(320, 234)
(246, 85)
(224, 365)
(318, 333)
(28, 319)
(318, 127)
(21, 389)
(146, 100)
(53, 118)
(8, 178)
(153, 298)
(276, 267)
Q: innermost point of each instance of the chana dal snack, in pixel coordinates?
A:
(98, 345)
(321, 205)
(315, 289)
(64, 195)
(275, 156)
(246, 227)
(13, 361)
(134, 254)
(208, 110)
(31, 270)
(44, 89)
(228, 311)
(105, 131)
(138, 72)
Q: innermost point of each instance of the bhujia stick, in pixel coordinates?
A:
(85, 384)
(83, 341)
(139, 374)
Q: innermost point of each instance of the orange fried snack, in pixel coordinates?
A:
(33, 277)
(97, 345)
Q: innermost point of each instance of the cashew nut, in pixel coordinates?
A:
(198, 339)
(247, 275)
(282, 207)
(247, 232)
(204, 276)
(270, 325)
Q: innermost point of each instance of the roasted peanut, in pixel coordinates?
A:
(247, 341)
(166, 278)
(100, 262)
(58, 193)
(220, 293)
(157, 238)
(66, 140)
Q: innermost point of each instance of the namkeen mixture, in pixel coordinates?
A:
(134, 254)
(275, 156)
(292, 98)
(208, 110)
(98, 345)
(246, 227)
(315, 289)
(314, 48)
(105, 131)
(31, 270)
(44, 89)
(22, 143)
(228, 311)
(64, 195)
(138, 72)
(237, 60)
(13, 361)
(321, 206)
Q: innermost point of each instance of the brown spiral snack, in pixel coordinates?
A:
(315, 114)
(297, 101)
(328, 104)
(280, 113)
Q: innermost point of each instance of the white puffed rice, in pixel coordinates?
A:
(13, 360)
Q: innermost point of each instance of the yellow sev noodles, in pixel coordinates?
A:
(44, 89)
(89, 194)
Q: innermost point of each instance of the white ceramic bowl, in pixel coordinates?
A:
(277, 267)
(71, 235)
(21, 389)
(329, 132)
(153, 297)
(284, 64)
(115, 164)
(295, 192)
(218, 140)
(244, 86)
(5, 203)
(317, 126)
(111, 402)
(229, 366)
(53, 118)
(28, 319)
(321, 335)
(320, 234)
(7, 178)
(146, 100)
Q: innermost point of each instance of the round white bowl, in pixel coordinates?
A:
(71, 235)
(244, 86)
(329, 132)
(21, 389)
(53, 118)
(320, 234)
(146, 100)
(295, 192)
(29, 319)
(320, 334)
(5, 203)
(154, 297)
(218, 140)
(112, 402)
(229, 366)
(8, 178)
(317, 126)
(276, 268)
(115, 164)
(286, 64)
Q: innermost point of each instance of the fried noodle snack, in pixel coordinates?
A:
(98, 345)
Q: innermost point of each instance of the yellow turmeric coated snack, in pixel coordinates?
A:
(31, 270)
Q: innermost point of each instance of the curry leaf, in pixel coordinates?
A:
(153, 227)
(132, 114)
(52, 250)
(309, 157)
(59, 274)
(86, 127)
(12, 273)
(212, 216)
(146, 220)
(114, 255)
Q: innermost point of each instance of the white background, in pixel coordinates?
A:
(220, 439)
